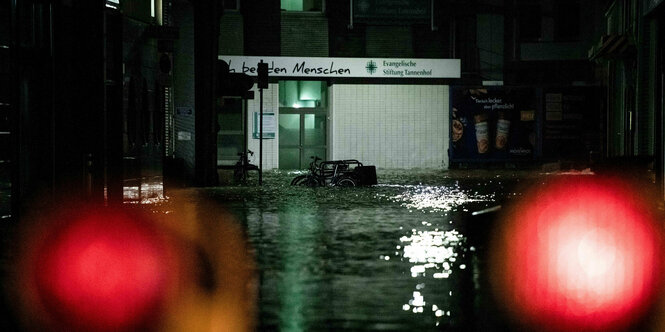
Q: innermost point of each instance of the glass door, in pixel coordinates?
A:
(302, 122)
(302, 134)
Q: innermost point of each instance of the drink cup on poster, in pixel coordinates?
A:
(482, 136)
(502, 130)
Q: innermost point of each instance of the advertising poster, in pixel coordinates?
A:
(572, 126)
(493, 124)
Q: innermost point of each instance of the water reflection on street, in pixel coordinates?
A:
(389, 257)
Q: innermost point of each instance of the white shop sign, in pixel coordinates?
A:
(346, 67)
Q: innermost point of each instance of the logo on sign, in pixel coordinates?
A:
(371, 67)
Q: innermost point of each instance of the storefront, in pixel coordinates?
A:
(392, 113)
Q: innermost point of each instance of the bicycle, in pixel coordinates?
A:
(312, 179)
(334, 173)
(242, 167)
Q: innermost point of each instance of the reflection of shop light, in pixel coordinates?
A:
(115, 4)
(304, 103)
(309, 90)
(309, 121)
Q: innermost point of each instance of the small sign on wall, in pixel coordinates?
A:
(269, 125)
(184, 136)
(184, 111)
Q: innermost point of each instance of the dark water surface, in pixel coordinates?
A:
(392, 257)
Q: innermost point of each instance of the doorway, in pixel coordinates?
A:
(303, 123)
(302, 134)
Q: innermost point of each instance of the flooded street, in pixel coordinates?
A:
(395, 256)
(408, 254)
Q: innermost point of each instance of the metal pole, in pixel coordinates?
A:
(350, 27)
(432, 26)
(260, 137)
(245, 114)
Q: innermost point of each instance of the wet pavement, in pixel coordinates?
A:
(392, 257)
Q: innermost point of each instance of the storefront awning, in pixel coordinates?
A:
(610, 47)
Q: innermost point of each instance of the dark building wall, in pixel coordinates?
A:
(645, 88)
(549, 41)
(389, 41)
(262, 27)
(428, 43)
(61, 83)
(345, 41)
(7, 113)
(183, 78)
(304, 34)
(141, 118)
(231, 33)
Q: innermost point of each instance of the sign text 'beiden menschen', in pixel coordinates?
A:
(346, 67)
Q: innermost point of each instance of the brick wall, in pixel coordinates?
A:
(390, 126)
(304, 34)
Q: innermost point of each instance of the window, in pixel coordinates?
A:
(302, 5)
(231, 5)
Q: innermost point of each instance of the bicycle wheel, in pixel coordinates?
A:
(311, 181)
(345, 181)
(298, 180)
(239, 176)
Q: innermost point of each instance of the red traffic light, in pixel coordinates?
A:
(579, 255)
(102, 270)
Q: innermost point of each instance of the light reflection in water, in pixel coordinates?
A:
(150, 191)
(431, 250)
(432, 253)
(436, 198)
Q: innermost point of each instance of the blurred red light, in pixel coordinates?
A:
(580, 254)
(102, 271)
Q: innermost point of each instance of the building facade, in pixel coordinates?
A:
(403, 122)
(392, 121)
(630, 56)
(154, 73)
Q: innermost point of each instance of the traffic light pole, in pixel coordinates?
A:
(260, 136)
(262, 84)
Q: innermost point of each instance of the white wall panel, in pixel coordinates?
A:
(390, 126)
